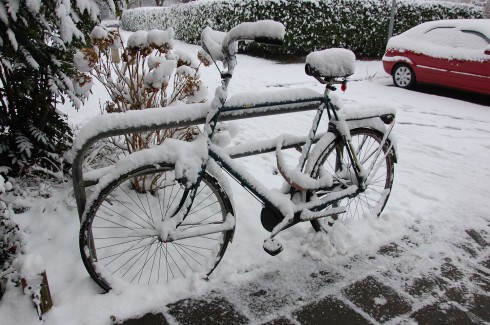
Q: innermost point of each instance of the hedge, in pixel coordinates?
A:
(360, 25)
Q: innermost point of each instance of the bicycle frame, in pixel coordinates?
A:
(293, 213)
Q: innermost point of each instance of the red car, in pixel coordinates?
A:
(452, 53)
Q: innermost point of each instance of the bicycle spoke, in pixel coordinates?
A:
(140, 272)
(117, 224)
(183, 258)
(122, 253)
(137, 206)
(193, 246)
(124, 217)
(200, 222)
(149, 207)
(168, 203)
(167, 263)
(207, 206)
(144, 265)
(136, 261)
(159, 201)
(117, 244)
(187, 250)
(159, 261)
(119, 254)
(153, 264)
(196, 205)
(175, 263)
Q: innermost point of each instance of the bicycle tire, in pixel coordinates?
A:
(373, 200)
(119, 243)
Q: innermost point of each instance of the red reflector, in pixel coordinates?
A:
(343, 87)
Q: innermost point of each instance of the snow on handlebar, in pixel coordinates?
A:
(212, 41)
(221, 44)
(263, 31)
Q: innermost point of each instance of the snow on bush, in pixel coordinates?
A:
(360, 25)
(143, 73)
(11, 240)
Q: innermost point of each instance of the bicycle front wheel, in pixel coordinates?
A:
(120, 239)
(335, 161)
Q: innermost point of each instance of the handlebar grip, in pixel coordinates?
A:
(267, 31)
(269, 41)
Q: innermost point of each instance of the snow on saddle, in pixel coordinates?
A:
(331, 63)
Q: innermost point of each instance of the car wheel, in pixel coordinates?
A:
(403, 76)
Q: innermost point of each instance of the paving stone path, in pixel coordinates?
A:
(457, 291)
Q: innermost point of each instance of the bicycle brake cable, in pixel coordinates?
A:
(212, 58)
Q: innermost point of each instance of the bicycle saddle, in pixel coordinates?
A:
(330, 63)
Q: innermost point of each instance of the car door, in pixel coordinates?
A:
(470, 68)
(433, 63)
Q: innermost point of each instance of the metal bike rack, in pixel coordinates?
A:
(196, 115)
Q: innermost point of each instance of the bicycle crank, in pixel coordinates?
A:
(270, 218)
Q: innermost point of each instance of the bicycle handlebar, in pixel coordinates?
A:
(220, 45)
(263, 31)
(212, 41)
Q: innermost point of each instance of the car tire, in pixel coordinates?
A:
(403, 76)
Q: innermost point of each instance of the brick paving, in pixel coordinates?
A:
(457, 292)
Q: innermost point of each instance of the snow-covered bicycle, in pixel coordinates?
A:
(183, 219)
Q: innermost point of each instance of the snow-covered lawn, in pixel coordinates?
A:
(440, 188)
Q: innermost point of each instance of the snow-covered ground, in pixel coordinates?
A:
(440, 188)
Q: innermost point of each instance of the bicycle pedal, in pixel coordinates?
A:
(272, 246)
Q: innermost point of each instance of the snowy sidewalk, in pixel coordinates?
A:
(376, 288)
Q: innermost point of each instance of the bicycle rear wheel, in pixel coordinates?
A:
(120, 239)
(334, 159)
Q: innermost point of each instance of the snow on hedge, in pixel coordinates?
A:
(359, 25)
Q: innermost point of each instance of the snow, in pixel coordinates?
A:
(295, 176)
(81, 63)
(133, 119)
(161, 37)
(396, 58)
(212, 43)
(98, 33)
(138, 39)
(33, 5)
(446, 39)
(160, 75)
(252, 30)
(31, 266)
(4, 186)
(333, 62)
(440, 189)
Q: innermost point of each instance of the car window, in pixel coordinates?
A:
(456, 38)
